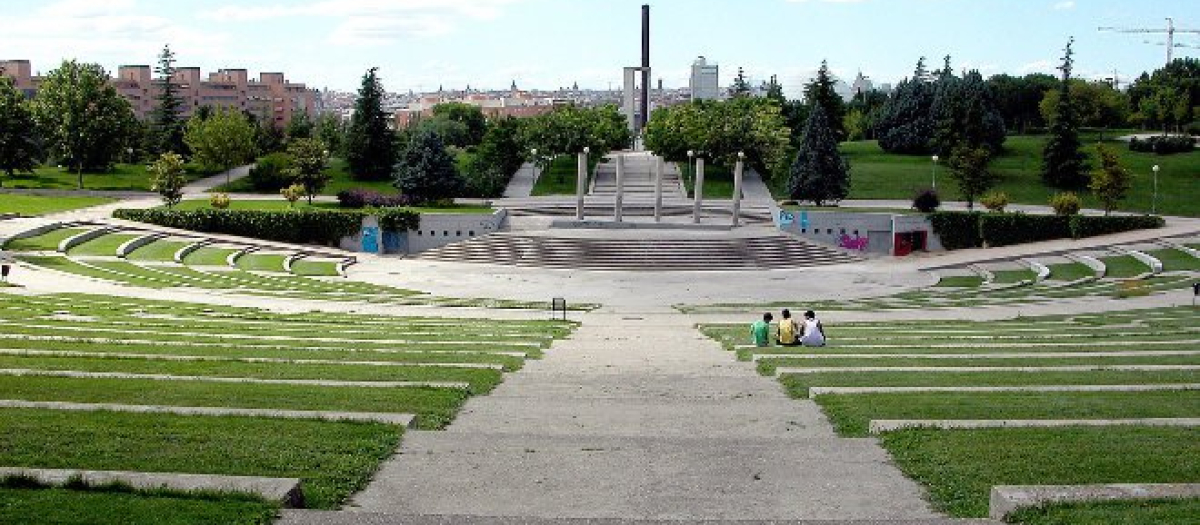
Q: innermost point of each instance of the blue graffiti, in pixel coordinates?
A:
(786, 218)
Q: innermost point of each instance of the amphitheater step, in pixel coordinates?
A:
(316, 517)
(623, 253)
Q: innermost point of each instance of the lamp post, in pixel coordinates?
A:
(581, 181)
(934, 171)
(690, 155)
(533, 156)
(1154, 205)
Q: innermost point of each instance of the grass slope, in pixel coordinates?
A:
(34, 205)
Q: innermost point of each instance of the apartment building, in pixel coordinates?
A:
(269, 96)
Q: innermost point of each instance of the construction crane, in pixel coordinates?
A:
(1170, 32)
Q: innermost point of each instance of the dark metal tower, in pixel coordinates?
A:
(645, 102)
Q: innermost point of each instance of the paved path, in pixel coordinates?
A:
(641, 420)
(521, 183)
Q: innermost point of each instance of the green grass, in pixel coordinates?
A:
(158, 251)
(1176, 260)
(334, 459)
(261, 262)
(209, 257)
(561, 176)
(875, 174)
(1070, 271)
(280, 205)
(123, 177)
(109, 506)
(960, 281)
(959, 467)
(34, 205)
(848, 209)
(718, 181)
(1013, 276)
(309, 267)
(1123, 266)
(850, 414)
(1126, 512)
(103, 245)
(340, 180)
(797, 384)
(48, 241)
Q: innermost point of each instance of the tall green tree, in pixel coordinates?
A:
(167, 117)
(370, 143)
(470, 116)
(1018, 99)
(426, 171)
(569, 129)
(820, 174)
(300, 126)
(168, 177)
(309, 159)
(905, 123)
(1168, 98)
(1111, 182)
(965, 114)
(820, 92)
(332, 131)
(774, 91)
(1063, 165)
(498, 156)
(222, 142)
(720, 130)
(969, 168)
(1097, 104)
(82, 117)
(20, 147)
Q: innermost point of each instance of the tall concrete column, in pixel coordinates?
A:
(658, 176)
(581, 184)
(698, 189)
(620, 197)
(737, 188)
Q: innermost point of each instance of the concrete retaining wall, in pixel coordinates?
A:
(435, 230)
(856, 231)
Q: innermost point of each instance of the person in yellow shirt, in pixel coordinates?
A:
(787, 330)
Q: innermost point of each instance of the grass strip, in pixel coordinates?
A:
(1126, 512)
(207, 256)
(797, 384)
(163, 251)
(960, 281)
(34, 205)
(1070, 271)
(262, 262)
(959, 467)
(103, 245)
(1176, 260)
(315, 268)
(1013, 276)
(48, 241)
(1123, 266)
(108, 506)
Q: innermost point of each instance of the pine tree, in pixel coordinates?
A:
(820, 92)
(167, 121)
(426, 171)
(370, 143)
(20, 149)
(820, 173)
(1111, 182)
(1063, 165)
(905, 122)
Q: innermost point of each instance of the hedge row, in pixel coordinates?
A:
(306, 226)
(958, 230)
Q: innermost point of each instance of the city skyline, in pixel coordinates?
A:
(420, 45)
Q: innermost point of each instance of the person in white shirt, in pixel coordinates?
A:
(812, 333)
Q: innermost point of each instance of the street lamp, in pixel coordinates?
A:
(1154, 206)
(690, 154)
(935, 161)
(533, 155)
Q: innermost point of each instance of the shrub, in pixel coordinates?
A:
(1018, 228)
(315, 226)
(1086, 226)
(1065, 203)
(360, 198)
(272, 172)
(995, 201)
(219, 201)
(392, 219)
(926, 201)
(1163, 145)
(293, 193)
(956, 229)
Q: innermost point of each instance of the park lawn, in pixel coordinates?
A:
(302, 205)
(103, 245)
(851, 414)
(960, 281)
(64, 264)
(1013, 276)
(46, 242)
(718, 181)
(122, 177)
(797, 384)
(959, 467)
(1123, 266)
(875, 174)
(1128, 512)
(1176, 260)
(262, 262)
(562, 175)
(209, 257)
(35, 205)
(768, 366)
(1070, 272)
(158, 251)
(315, 268)
(333, 459)
(117, 505)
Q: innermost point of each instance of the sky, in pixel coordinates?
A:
(423, 44)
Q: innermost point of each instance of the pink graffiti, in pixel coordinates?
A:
(853, 243)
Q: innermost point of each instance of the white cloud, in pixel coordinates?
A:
(1038, 66)
(1064, 5)
(825, 1)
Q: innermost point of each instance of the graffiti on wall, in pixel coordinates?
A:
(370, 239)
(853, 243)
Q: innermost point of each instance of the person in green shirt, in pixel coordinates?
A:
(760, 331)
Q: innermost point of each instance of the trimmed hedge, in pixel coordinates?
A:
(957, 229)
(1163, 145)
(1084, 226)
(1004, 229)
(305, 226)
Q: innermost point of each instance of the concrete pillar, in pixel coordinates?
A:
(581, 184)
(737, 188)
(658, 176)
(619, 199)
(698, 189)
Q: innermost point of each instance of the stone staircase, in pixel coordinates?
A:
(679, 252)
(639, 178)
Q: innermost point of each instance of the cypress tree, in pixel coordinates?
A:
(820, 173)
(370, 144)
(168, 123)
(1063, 165)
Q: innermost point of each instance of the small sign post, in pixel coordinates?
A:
(1195, 292)
(556, 304)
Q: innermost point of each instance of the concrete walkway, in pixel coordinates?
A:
(521, 183)
(641, 419)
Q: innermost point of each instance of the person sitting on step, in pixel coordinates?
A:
(760, 331)
(812, 333)
(787, 330)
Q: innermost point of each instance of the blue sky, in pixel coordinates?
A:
(421, 44)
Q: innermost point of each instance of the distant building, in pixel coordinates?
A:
(862, 84)
(271, 96)
(704, 82)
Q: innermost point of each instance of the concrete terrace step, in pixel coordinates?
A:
(315, 517)
(684, 253)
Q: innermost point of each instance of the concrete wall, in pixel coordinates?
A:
(861, 232)
(435, 230)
